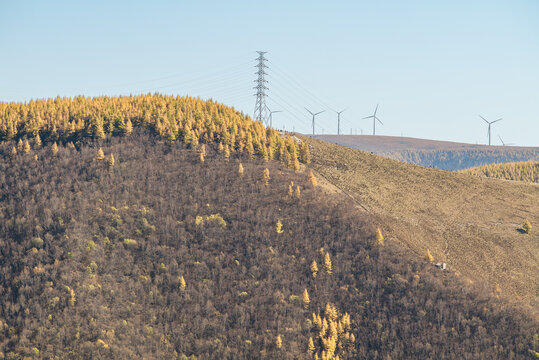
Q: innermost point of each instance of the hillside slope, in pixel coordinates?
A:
(162, 255)
(438, 154)
(468, 222)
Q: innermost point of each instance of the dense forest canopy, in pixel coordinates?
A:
(189, 120)
(527, 171)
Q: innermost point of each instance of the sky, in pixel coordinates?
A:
(432, 66)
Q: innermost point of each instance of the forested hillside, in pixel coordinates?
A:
(138, 248)
(189, 120)
(527, 171)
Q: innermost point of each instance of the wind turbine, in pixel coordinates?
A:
(314, 114)
(339, 120)
(271, 115)
(374, 118)
(504, 144)
(489, 123)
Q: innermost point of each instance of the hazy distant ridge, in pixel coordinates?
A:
(439, 154)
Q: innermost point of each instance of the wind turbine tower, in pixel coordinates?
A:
(489, 123)
(504, 144)
(271, 116)
(374, 119)
(339, 120)
(314, 114)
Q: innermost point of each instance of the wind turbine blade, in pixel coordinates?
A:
(484, 119)
(379, 120)
(369, 117)
(495, 121)
(320, 112)
(375, 110)
(309, 111)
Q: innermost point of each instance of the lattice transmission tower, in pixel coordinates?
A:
(260, 113)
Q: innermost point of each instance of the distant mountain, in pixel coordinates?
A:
(438, 154)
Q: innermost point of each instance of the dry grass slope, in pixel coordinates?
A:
(468, 222)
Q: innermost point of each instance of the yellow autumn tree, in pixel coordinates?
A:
(26, 148)
(428, 256)
(128, 127)
(314, 269)
(312, 179)
(379, 237)
(266, 176)
(37, 142)
(279, 227)
(111, 161)
(306, 300)
(279, 342)
(297, 192)
(327, 264)
(100, 154)
(54, 149)
(311, 347)
(183, 284)
(240, 170)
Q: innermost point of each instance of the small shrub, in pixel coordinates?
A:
(130, 242)
(37, 242)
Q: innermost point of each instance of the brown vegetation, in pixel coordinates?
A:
(136, 263)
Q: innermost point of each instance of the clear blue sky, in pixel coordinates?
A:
(433, 66)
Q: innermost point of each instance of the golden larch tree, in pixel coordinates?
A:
(428, 256)
(312, 179)
(240, 170)
(327, 264)
(54, 149)
(379, 237)
(26, 148)
(183, 284)
(279, 342)
(314, 269)
(111, 161)
(100, 154)
(306, 300)
(266, 176)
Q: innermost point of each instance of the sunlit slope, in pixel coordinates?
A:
(468, 222)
